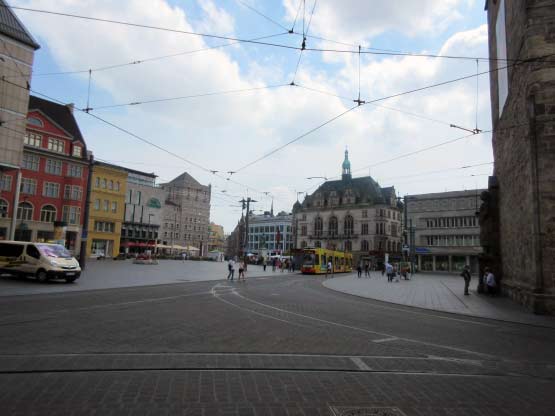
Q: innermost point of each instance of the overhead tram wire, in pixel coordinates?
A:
(155, 58)
(383, 99)
(183, 97)
(263, 15)
(277, 45)
(303, 45)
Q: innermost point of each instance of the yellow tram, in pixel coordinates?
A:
(315, 261)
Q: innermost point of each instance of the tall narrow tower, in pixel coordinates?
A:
(346, 167)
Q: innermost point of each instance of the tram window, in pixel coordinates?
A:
(316, 259)
(323, 259)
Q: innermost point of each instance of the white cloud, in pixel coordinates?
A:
(225, 132)
(360, 20)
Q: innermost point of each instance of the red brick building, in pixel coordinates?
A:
(54, 170)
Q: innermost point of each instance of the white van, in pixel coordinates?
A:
(41, 260)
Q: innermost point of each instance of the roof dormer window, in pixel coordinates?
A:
(35, 121)
(77, 151)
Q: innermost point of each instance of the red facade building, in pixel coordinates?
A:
(54, 169)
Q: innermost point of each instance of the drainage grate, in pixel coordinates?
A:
(366, 411)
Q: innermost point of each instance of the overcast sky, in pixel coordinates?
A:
(226, 132)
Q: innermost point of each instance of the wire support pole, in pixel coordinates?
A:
(88, 108)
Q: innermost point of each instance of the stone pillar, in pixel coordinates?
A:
(467, 260)
(434, 263)
(420, 262)
(450, 263)
(15, 205)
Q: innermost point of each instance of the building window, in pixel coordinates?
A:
(5, 183)
(364, 229)
(303, 244)
(364, 213)
(303, 230)
(97, 204)
(55, 145)
(103, 183)
(114, 206)
(25, 211)
(97, 182)
(51, 189)
(77, 151)
(28, 186)
(318, 226)
(104, 227)
(71, 214)
(32, 139)
(75, 171)
(332, 226)
(30, 162)
(106, 205)
(3, 208)
(53, 167)
(348, 246)
(348, 225)
(318, 244)
(111, 185)
(116, 187)
(48, 213)
(364, 245)
(73, 192)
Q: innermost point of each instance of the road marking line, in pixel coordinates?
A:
(385, 339)
(368, 331)
(360, 364)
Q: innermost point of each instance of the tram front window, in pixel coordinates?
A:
(308, 260)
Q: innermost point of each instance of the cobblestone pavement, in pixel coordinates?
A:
(285, 346)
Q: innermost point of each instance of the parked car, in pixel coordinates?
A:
(40, 260)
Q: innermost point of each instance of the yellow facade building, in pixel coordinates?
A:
(106, 212)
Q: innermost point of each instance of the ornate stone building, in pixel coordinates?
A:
(519, 210)
(350, 214)
(186, 214)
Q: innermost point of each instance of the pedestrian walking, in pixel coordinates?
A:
(389, 272)
(366, 270)
(231, 269)
(241, 272)
(466, 275)
(264, 263)
(274, 263)
(329, 269)
(359, 271)
(491, 284)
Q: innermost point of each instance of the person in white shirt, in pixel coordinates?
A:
(490, 282)
(329, 269)
(231, 269)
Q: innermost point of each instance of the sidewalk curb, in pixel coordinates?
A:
(439, 310)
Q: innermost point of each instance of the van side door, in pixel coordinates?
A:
(32, 259)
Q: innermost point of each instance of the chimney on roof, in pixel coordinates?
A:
(71, 107)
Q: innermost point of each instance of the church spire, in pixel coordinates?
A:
(346, 167)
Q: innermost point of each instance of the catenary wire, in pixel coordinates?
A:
(151, 59)
(183, 97)
(208, 35)
(262, 14)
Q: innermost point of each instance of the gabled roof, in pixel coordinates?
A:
(58, 113)
(12, 27)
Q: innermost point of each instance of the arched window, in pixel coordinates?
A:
(318, 244)
(303, 244)
(332, 226)
(111, 185)
(48, 213)
(25, 211)
(364, 245)
(318, 226)
(103, 183)
(348, 245)
(348, 225)
(3, 208)
(116, 188)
